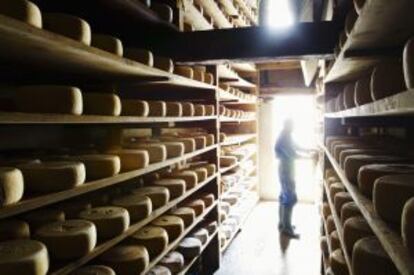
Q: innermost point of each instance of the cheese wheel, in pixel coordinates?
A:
(222, 137)
(208, 199)
(390, 195)
(142, 56)
(225, 206)
(198, 206)
(135, 107)
(349, 210)
(60, 99)
(349, 152)
(231, 199)
(156, 152)
(174, 261)
(211, 227)
(368, 174)
(330, 224)
(26, 257)
(209, 110)
(154, 238)
(110, 221)
(335, 188)
(370, 258)
(199, 110)
(165, 12)
(184, 71)
(164, 63)
(68, 25)
(174, 149)
(325, 247)
(126, 259)
(159, 270)
(190, 178)
(189, 143)
(11, 185)
(202, 235)
(159, 195)
(157, 108)
(340, 199)
(188, 108)
(101, 104)
(41, 217)
(200, 141)
(210, 139)
(387, 79)
(190, 247)
(176, 187)
(72, 208)
(172, 224)
(211, 169)
(94, 270)
(227, 161)
(349, 96)
(408, 64)
(198, 75)
(107, 43)
(201, 174)
(187, 214)
(14, 230)
(334, 240)
(326, 210)
(22, 10)
(131, 159)
(77, 237)
(174, 109)
(209, 78)
(99, 166)
(407, 225)
(355, 228)
(139, 206)
(362, 91)
(338, 263)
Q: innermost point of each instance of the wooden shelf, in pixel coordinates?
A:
(391, 29)
(237, 139)
(194, 17)
(212, 9)
(33, 203)
(229, 8)
(229, 98)
(390, 239)
(247, 11)
(401, 104)
(227, 169)
(235, 120)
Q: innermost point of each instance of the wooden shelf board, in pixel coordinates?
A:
(43, 200)
(194, 17)
(237, 139)
(244, 67)
(212, 9)
(390, 239)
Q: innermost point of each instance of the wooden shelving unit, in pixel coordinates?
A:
(212, 9)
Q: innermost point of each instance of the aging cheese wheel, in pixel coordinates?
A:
(154, 238)
(101, 104)
(139, 206)
(159, 270)
(208, 199)
(176, 187)
(156, 152)
(334, 239)
(41, 217)
(202, 235)
(164, 63)
(107, 43)
(326, 210)
(227, 161)
(190, 247)
(126, 259)
(200, 141)
(370, 258)
(132, 159)
(99, 166)
(363, 91)
(210, 139)
(338, 148)
(94, 270)
(225, 206)
(197, 205)
(349, 94)
(60, 99)
(330, 224)
(190, 178)
(209, 78)
(68, 25)
(174, 261)
(211, 169)
(390, 195)
(335, 188)
(222, 137)
(325, 247)
(338, 263)
(110, 221)
(408, 64)
(349, 210)
(174, 109)
(184, 71)
(340, 199)
(368, 174)
(211, 226)
(14, 230)
(387, 79)
(142, 56)
(210, 110)
(198, 75)
(157, 108)
(201, 174)
(199, 110)
(135, 107)
(172, 224)
(26, 257)
(159, 195)
(231, 199)
(187, 214)
(349, 152)
(69, 239)
(355, 228)
(407, 225)
(22, 10)
(11, 185)
(174, 149)
(189, 143)
(188, 108)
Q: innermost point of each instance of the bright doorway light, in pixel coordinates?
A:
(279, 14)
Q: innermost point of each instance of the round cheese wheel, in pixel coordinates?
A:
(190, 247)
(198, 75)
(99, 166)
(142, 56)
(174, 261)
(326, 210)
(340, 199)
(188, 109)
(176, 187)
(227, 161)
(126, 259)
(22, 10)
(387, 79)
(154, 238)
(408, 64)
(200, 141)
(172, 224)
(210, 110)
(102, 104)
(159, 270)
(349, 96)
(338, 148)
(41, 217)
(135, 107)
(349, 152)
(202, 174)
(390, 195)
(163, 63)
(11, 185)
(197, 205)
(199, 110)
(349, 210)
(231, 199)
(210, 139)
(338, 263)
(211, 169)
(110, 221)
(336, 188)
(209, 78)
(190, 178)
(332, 180)
(139, 206)
(174, 149)
(14, 230)
(156, 152)
(23, 257)
(202, 235)
(186, 214)
(132, 159)
(184, 71)
(325, 247)
(407, 225)
(107, 43)
(363, 92)
(211, 226)
(330, 224)
(334, 240)
(94, 270)
(208, 199)
(369, 257)
(157, 108)
(68, 25)
(222, 137)
(225, 206)
(174, 109)
(69, 239)
(159, 195)
(189, 143)
(355, 228)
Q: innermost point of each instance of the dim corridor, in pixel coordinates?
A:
(258, 249)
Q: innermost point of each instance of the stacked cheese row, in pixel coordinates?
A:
(237, 92)
(234, 113)
(231, 155)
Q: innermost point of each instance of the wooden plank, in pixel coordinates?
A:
(212, 9)
(389, 238)
(36, 202)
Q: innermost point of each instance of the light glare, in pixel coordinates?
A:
(279, 14)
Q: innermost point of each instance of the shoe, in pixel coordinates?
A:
(291, 234)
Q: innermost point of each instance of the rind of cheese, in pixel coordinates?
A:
(28, 257)
(165, 12)
(208, 199)
(176, 187)
(174, 149)
(199, 110)
(77, 237)
(174, 109)
(330, 224)
(211, 226)
(188, 109)
(210, 139)
(325, 247)
(159, 195)
(209, 110)
(164, 63)
(22, 10)
(362, 91)
(338, 263)
(135, 107)
(349, 152)
(11, 185)
(227, 161)
(355, 229)
(190, 178)
(349, 96)
(172, 224)
(142, 56)
(349, 210)
(156, 152)
(131, 159)
(159, 270)
(387, 79)
(197, 205)
(334, 239)
(40, 217)
(107, 43)
(42, 177)
(157, 108)
(49, 99)
(68, 25)
(154, 238)
(326, 210)
(14, 230)
(101, 104)
(99, 166)
(186, 214)
(202, 173)
(202, 235)
(174, 261)
(184, 71)
(340, 199)
(199, 75)
(200, 141)
(407, 225)
(139, 206)
(126, 259)
(209, 78)
(190, 247)
(94, 270)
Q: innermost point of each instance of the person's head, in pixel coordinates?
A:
(288, 125)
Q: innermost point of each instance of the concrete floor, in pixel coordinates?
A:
(259, 249)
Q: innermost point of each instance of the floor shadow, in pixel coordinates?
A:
(284, 242)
